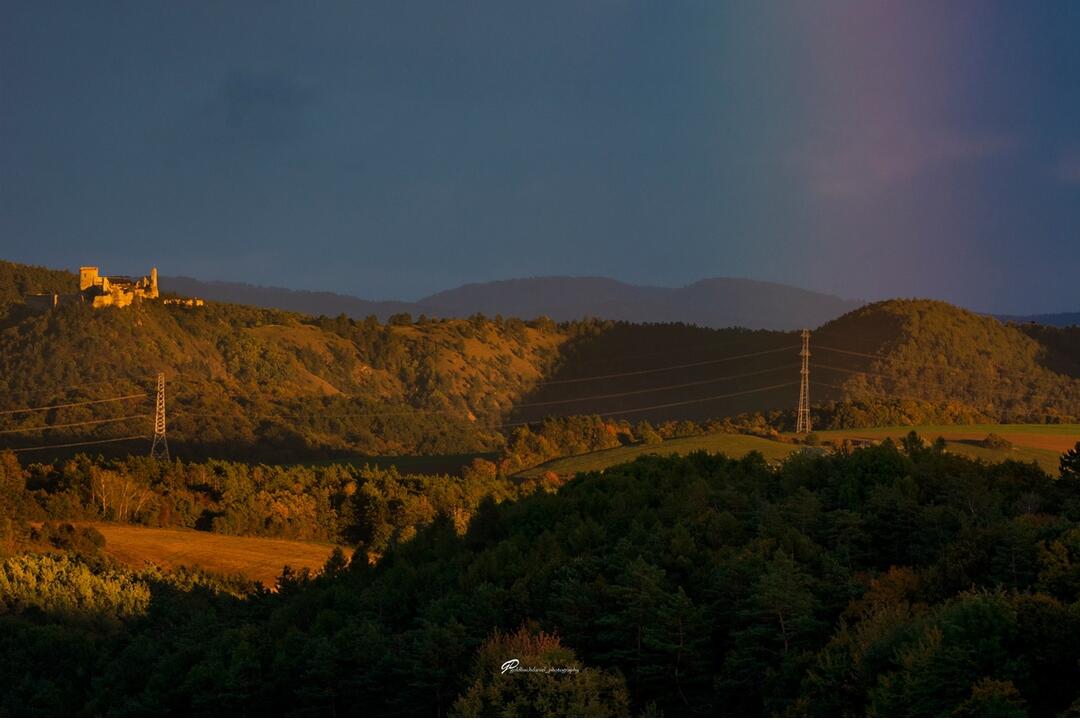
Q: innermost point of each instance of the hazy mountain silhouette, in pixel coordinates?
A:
(1065, 319)
(304, 301)
(716, 302)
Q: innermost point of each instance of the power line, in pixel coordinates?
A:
(937, 385)
(668, 350)
(283, 416)
(291, 416)
(503, 425)
(73, 404)
(819, 366)
(671, 404)
(414, 412)
(308, 416)
(78, 444)
(494, 426)
(655, 389)
(71, 425)
(878, 394)
(700, 400)
(889, 358)
(97, 383)
(892, 378)
(669, 367)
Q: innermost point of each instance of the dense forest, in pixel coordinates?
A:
(883, 581)
(958, 364)
(366, 507)
(17, 281)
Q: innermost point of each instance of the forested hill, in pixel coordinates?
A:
(899, 362)
(245, 382)
(668, 371)
(881, 582)
(17, 281)
(960, 360)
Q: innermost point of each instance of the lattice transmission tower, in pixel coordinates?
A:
(160, 449)
(802, 422)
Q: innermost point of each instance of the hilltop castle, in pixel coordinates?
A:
(107, 291)
(118, 290)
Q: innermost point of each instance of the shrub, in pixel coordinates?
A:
(63, 585)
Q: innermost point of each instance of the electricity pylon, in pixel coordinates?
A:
(802, 421)
(160, 449)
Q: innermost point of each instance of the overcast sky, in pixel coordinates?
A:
(389, 150)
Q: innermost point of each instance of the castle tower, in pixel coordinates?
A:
(88, 277)
(153, 282)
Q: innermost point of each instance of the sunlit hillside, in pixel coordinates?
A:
(256, 383)
(242, 380)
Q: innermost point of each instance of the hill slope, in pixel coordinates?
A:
(242, 379)
(17, 281)
(246, 382)
(897, 362)
(928, 350)
(657, 372)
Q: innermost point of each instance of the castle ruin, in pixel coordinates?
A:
(117, 290)
(107, 291)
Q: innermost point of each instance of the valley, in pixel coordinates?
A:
(489, 476)
(531, 359)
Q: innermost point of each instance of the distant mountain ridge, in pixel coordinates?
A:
(1065, 319)
(714, 302)
(310, 302)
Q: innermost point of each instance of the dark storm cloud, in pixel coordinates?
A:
(869, 148)
(261, 107)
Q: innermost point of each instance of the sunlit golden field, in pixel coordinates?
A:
(254, 558)
(1039, 443)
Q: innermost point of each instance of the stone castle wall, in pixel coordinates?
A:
(103, 291)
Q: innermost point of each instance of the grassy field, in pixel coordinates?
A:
(1048, 437)
(733, 445)
(1039, 443)
(254, 558)
(1048, 460)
